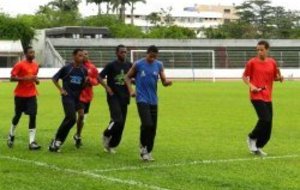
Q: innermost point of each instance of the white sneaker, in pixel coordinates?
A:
(260, 152)
(105, 141)
(147, 157)
(110, 150)
(107, 148)
(252, 145)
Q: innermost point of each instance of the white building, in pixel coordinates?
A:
(10, 52)
(193, 20)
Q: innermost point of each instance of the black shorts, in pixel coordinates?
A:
(85, 106)
(28, 105)
(71, 103)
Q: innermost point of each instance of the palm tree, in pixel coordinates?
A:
(119, 5)
(98, 3)
(132, 3)
(65, 5)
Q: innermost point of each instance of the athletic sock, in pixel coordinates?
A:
(12, 130)
(32, 135)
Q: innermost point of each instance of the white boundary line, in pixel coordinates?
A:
(197, 162)
(85, 173)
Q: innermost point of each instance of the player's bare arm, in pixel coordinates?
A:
(131, 73)
(164, 79)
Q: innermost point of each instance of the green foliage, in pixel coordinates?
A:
(171, 32)
(126, 31)
(116, 27)
(258, 19)
(15, 29)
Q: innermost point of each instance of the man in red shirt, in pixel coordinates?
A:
(25, 73)
(259, 75)
(86, 96)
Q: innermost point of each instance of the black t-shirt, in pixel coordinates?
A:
(115, 73)
(73, 79)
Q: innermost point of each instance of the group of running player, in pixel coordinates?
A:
(78, 78)
(80, 75)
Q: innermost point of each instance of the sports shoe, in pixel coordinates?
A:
(34, 146)
(260, 152)
(77, 140)
(147, 157)
(105, 142)
(10, 141)
(53, 147)
(110, 150)
(252, 145)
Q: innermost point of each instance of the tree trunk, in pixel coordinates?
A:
(99, 9)
(132, 16)
(122, 13)
(107, 8)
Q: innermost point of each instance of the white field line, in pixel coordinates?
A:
(84, 173)
(197, 162)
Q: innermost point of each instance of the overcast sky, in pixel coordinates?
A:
(14, 7)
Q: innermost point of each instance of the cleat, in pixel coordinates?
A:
(77, 140)
(10, 141)
(34, 146)
(53, 147)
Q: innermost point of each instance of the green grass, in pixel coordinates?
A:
(197, 121)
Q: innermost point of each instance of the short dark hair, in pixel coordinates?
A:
(26, 49)
(264, 43)
(119, 47)
(152, 49)
(75, 51)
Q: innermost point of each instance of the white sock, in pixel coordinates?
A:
(32, 135)
(57, 143)
(84, 117)
(12, 130)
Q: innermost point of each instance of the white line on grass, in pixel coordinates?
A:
(85, 173)
(197, 162)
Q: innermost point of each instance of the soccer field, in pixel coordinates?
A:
(200, 143)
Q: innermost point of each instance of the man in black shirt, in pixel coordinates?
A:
(73, 77)
(118, 98)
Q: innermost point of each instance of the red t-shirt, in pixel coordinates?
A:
(262, 74)
(25, 69)
(87, 93)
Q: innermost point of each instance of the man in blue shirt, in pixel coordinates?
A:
(73, 77)
(146, 72)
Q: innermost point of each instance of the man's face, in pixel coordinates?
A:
(78, 57)
(121, 54)
(30, 55)
(151, 57)
(261, 51)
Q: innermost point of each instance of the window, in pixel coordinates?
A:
(227, 11)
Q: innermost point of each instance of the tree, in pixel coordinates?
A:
(171, 32)
(154, 18)
(232, 30)
(162, 18)
(58, 13)
(98, 3)
(120, 7)
(15, 29)
(132, 3)
(283, 22)
(258, 19)
(64, 5)
(258, 13)
(167, 18)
